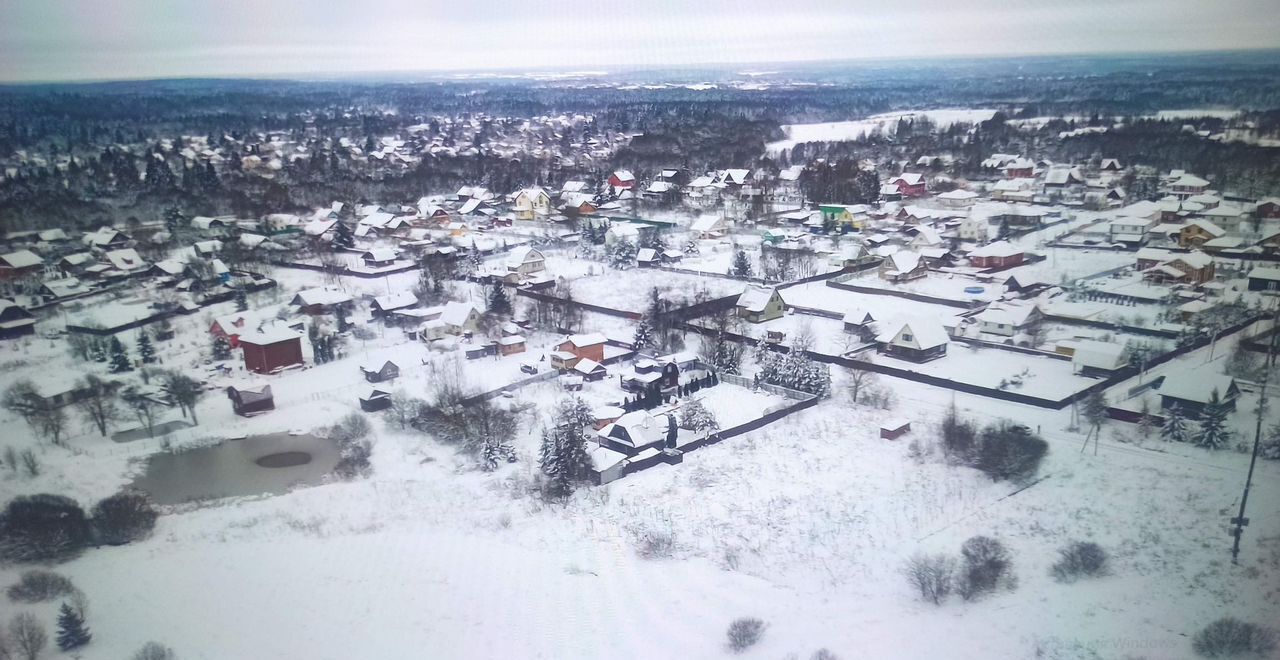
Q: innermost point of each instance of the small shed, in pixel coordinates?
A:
(590, 370)
(377, 372)
(892, 429)
(511, 345)
(249, 400)
(375, 400)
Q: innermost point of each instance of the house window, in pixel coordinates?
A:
(906, 337)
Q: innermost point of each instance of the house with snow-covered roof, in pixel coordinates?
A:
(916, 340)
(1094, 358)
(903, 266)
(525, 260)
(909, 184)
(758, 304)
(15, 320)
(1192, 390)
(1196, 233)
(19, 264)
(1009, 318)
(531, 202)
(1000, 254)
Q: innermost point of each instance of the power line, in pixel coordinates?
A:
(1240, 521)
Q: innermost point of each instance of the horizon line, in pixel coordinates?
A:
(372, 75)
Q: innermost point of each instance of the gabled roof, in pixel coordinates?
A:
(125, 259)
(321, 296)
(393, 301)
(1011, 314)
(456, 313)
(21, 259)
(1197, 386)
(926, 334)
(1098, 354)
(905, 261)
(996, 249)
(624, 175)
(1208, 227)
(755, 298)
(909, 178)
(521, 255)
(586, 339)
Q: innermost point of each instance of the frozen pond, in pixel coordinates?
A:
(270, 464)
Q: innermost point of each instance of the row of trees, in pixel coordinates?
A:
(44, 527)
(102, 402)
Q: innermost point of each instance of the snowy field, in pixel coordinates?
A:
(629, 289)
(947, 286)
(431, 554)
(818, 295)
(1043, 377)
(841, 131)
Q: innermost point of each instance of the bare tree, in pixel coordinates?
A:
(154, 651)
(143, 407)
(859, 381)
(98, 402)
(185, 391)
(29, 637)
(932, 575)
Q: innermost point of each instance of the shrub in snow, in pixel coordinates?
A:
(745, 633)
(654, 543)
(42, 528)
(1078, 560)
(124, 517)
(823, 654)
(1270, 447)
(932, 575)
(958, 436)
(353, 448)
(987, 565)
(38, 586)
(695, 417)
(1232, 638)
(154, 651)
(1009, 451)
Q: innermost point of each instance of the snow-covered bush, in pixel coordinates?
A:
(1080, 559)
(987, 565)
(124, 517)
(932, 575)
(1232, 638)
(154, 651)
(745, 633)
(42, 528)
(38, 586)
(695, 417)
(823, 654)
(1009, 451)
(354, 448)
(654, 544)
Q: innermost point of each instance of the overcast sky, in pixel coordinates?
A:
(117, 39)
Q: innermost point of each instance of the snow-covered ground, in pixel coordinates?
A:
(840, 131)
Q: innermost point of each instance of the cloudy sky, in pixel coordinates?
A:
(117, 39)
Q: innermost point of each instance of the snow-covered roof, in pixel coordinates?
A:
(1098, 354)
(636, 429)
(1265, 273)
(380, 254)
(586, 339)
(125, 259)
(958, 195)
(624, 175)
(755, 298)
(393, 301)
(272, 334)
(21, 259)
(1011, 314)
(996, 249)
(321, 296)
(457, 313)
(587, 366)
(1190, 181)
(1196, 385)
(521, 255)
(909, 178)
(905, 261)
(925, 333)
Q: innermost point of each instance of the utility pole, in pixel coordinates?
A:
(1240, 521)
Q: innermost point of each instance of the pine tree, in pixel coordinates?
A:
(644, 335)
(741, 265)
(1214, 433)
(563, 457)
(72, 633)
(342, 236)
(623, 254)
(146, 351)
(1270, 448)
(119, 357)
(1175, 426)
(499, 303)
(98, 351)
(242, 301)
(221, 349)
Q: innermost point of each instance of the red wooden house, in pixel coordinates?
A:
(587, 346)
(910, 184)
(271, 350)
(999, 254)
(622, 179)
(1269, 208)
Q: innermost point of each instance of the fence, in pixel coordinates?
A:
(1114, 327)
(497, 391)
(839, 284)
(608, 311)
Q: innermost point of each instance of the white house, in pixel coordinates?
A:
(917, 340)
(531, 202)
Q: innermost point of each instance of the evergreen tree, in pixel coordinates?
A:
(622, 255)
(119, 357)
(221, 349)
(1214, 433)
(72, 633)
(741, 265)
(242, 301)
(173, 218)
(499, 302)
(146, 351)
(1175, 426)
(1270, 448)
(563, 457)
(343, 238)
(98, 350)
(644, 335)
